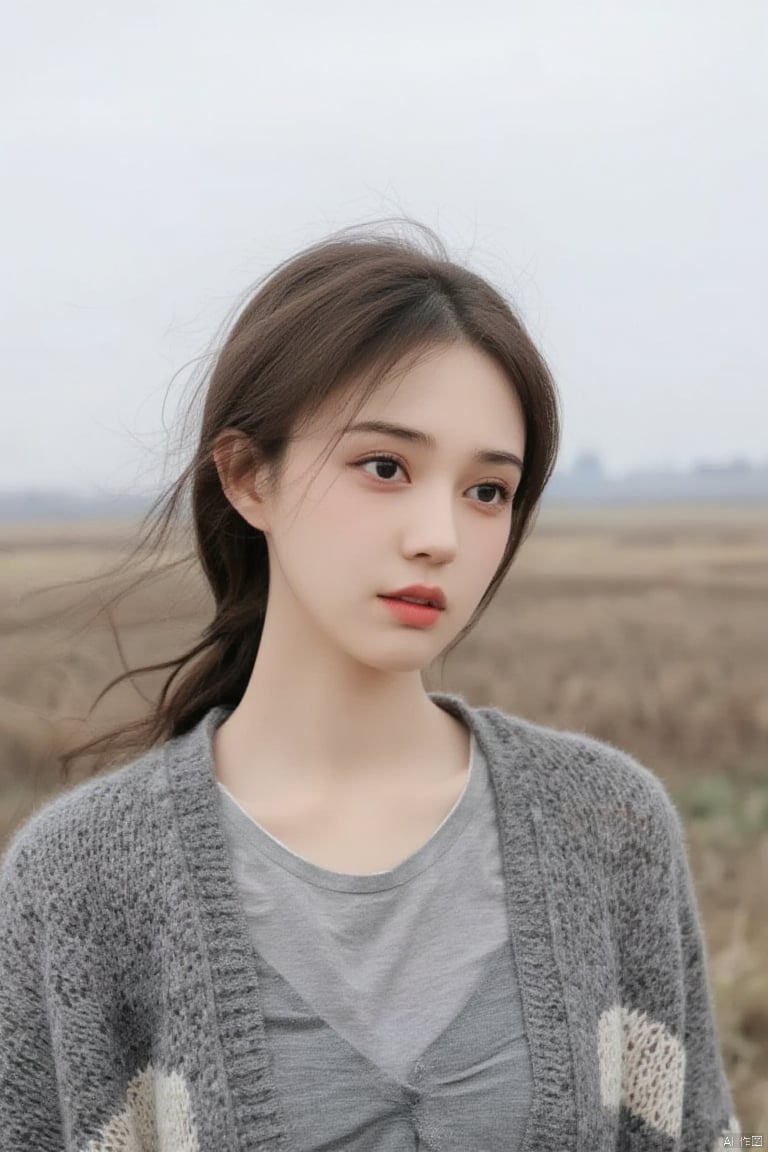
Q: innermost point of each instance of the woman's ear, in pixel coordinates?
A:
(235, 463)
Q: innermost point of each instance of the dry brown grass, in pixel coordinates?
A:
(644, 627)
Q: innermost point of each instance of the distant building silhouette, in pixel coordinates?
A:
(736, 467)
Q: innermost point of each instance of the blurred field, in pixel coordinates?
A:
(644, 627)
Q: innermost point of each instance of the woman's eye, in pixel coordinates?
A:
(385, 460)
(504, 493)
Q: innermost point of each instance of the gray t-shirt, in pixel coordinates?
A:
(390, 999)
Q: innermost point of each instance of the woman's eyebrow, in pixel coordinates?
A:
(384, 428)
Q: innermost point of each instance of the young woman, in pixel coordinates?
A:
(320, 907)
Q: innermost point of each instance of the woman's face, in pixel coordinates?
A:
(343, 532)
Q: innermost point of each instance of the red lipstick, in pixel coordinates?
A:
(417, 615)
(430, 595)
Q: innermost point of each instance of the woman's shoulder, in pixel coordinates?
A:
(73, 833)
(572, 766)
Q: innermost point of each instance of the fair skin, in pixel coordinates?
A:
(335, 717)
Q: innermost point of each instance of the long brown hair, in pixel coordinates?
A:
(339, 314)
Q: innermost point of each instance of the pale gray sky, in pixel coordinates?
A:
(604, 163)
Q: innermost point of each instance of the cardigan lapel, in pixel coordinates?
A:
(535, 906)
(256, 1111)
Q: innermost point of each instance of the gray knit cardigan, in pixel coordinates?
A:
(130, 1016)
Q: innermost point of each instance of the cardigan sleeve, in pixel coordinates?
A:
(29, 1108)
(708, 1113)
